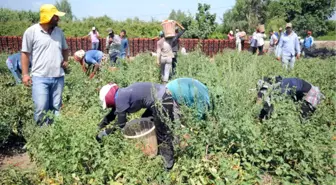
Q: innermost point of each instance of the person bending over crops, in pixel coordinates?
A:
(14, 65)
(190, 92)
(298, 89)
(164, 57)
(91, 57)
(132, 99)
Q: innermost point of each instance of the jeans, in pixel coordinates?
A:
(122, 55)
(95, 45)
(47, 96)
(15, 72)
(165, 63)
(174, 64)
(288, 60)
(113, 58)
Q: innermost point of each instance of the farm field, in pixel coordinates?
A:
(230, 147)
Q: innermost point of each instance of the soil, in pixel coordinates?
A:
(13, 154)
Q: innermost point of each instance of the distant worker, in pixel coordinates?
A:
(289, 46)
(94, 35)
(124, 49)
(230, 36)
(91, 57)
(164, 58)
(14, 65)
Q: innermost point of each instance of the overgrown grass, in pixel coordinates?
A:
(230, 147)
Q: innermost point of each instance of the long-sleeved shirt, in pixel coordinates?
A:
(289, 45)
(308, 42)
(124, 46)
(175, 42)
(133, 98)
(115, 46)
(164, 49)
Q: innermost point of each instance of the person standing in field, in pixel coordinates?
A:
(273, 43)
(175, 44)
(94, 34)
(230, 36)
(238, 40)
(242, 36)
(289, 47)
(164, 58)
(260, 40)
(308, 41)
(46, 44)
(13, 63)
(124, 49)
(113, 45)
(91, 57)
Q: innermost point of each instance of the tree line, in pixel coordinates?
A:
(245, 15)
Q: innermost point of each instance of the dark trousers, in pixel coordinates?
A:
(163, 132)
(242, 44)
(260, 48)
(174, 63)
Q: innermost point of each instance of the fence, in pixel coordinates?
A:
(12, 44)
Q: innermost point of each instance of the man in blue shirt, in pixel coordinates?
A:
(308, 41)
(91, 57)
(124, 45)
(14, 65)
(190, 92)
(289, 47)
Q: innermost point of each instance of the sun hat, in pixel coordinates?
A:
(107, 95)
(79, 54)
(93, 28)
(47, 11)
(289, 25)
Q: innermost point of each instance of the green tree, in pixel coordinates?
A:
(309, 15)
(65, 6)
(246, 15)
(203, 25)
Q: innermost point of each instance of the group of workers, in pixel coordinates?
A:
(44, 51)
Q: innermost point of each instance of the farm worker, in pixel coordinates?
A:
(242, 36)
(133, 98)
(14, 65)
(273, 42)
(260, 36)
(308, 41)
(94, 34)
(91, 57)
(175, 44)
(164, 57)
(289, 46)
(46, 44)
(124, 49)
(113, 45)
(238, 40)
(298, 89)
(190, 92)
(230, 36)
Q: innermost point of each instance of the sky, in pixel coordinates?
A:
(122, 9)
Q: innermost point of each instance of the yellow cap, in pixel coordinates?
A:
(47, 11)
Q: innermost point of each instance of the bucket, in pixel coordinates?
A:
(168, 28)
(143, 131)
